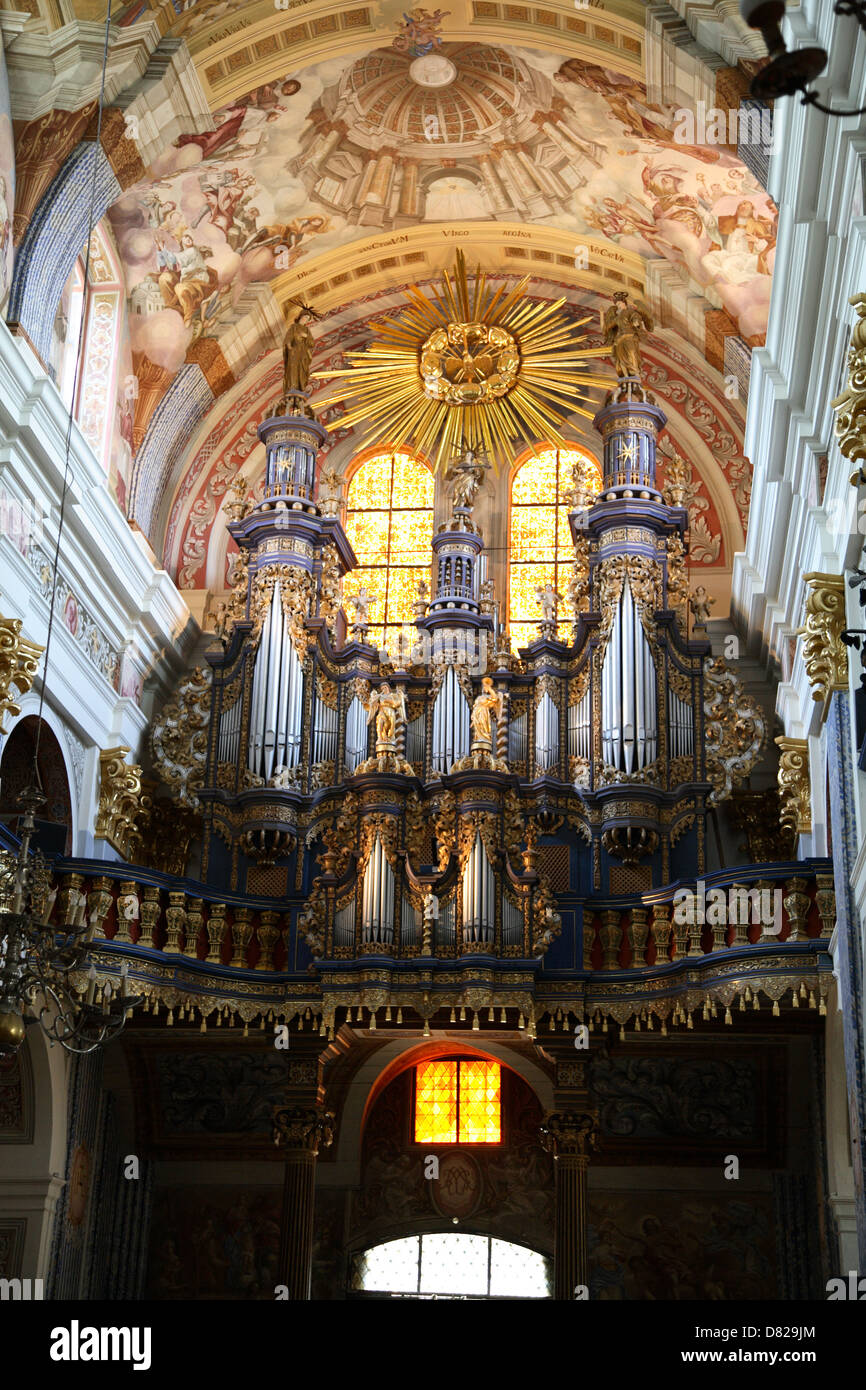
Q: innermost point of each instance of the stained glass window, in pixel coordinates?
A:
(458, 1100)
(540, 549)
(389, 521)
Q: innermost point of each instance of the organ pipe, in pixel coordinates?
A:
(450, 723)
(277, 698)
(628, 692)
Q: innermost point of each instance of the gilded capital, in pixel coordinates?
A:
(119, 796)
(570, 1133)
(850, 407)
(824, 652)
(303, 1127)
(19, 661)
(794, 786)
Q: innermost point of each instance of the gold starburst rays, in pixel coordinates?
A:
(475, 369)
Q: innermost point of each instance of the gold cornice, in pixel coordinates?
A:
(395, 259)
(19, 662)
(824, 653)
(794, 785)
(119, 797)
(850, 406)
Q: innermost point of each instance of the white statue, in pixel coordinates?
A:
(547, 599)
(360, 603)
(466, 477)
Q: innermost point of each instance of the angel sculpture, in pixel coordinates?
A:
(360, 603)
(547, 599)
(466, 477)
(624, 326)
(487, 706)
(700, 604)
(388, 708)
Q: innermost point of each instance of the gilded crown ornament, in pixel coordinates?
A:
(469, 368)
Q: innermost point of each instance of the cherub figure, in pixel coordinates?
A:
(547, 598)
(360, 604)
(701, 603)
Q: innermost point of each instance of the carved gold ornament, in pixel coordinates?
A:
(178, 737)
(467, 363)
(19, 662)
(850, 407)
(468, 369)
(735, 729)
(794, 787)
(119, 795)
(824, 653)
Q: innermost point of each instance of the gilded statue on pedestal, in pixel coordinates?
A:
(487, 706)
(624, 327)
(388, 708)
(297, 358)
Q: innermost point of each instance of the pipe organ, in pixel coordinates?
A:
(439, 802)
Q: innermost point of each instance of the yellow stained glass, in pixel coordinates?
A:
(389, 522)
(540, 545)
(458, 1101)
(479, 1103)
(436, 1103)
(413, 483)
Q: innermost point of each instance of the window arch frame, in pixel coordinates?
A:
(561, 561)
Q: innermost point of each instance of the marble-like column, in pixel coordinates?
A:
(569, 1135)
(491, 183)
(300, 1130)
(840, 778)
(409, 190)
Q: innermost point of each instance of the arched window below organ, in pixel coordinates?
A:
(451, 1264)
(540, 548)
(389, 522)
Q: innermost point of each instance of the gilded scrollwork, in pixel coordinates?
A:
(824, 653)
(119, 798)
(736, 729)
(850, 406)
(178, 737)
(19, 662)
(794, 786)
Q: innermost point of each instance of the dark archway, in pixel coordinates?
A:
(16, 773)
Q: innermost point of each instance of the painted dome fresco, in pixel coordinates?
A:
(465, 93)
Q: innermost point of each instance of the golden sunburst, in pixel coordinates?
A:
(469, 371)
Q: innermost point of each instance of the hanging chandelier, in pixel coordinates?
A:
(39, 958)
(470, 368)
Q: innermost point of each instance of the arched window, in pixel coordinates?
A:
(458, 1100)
(106, 387)
(540, 549)
(389, 521)
(451, 1264)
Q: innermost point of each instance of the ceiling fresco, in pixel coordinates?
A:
(343, 147)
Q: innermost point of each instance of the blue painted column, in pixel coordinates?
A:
(842, 792)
